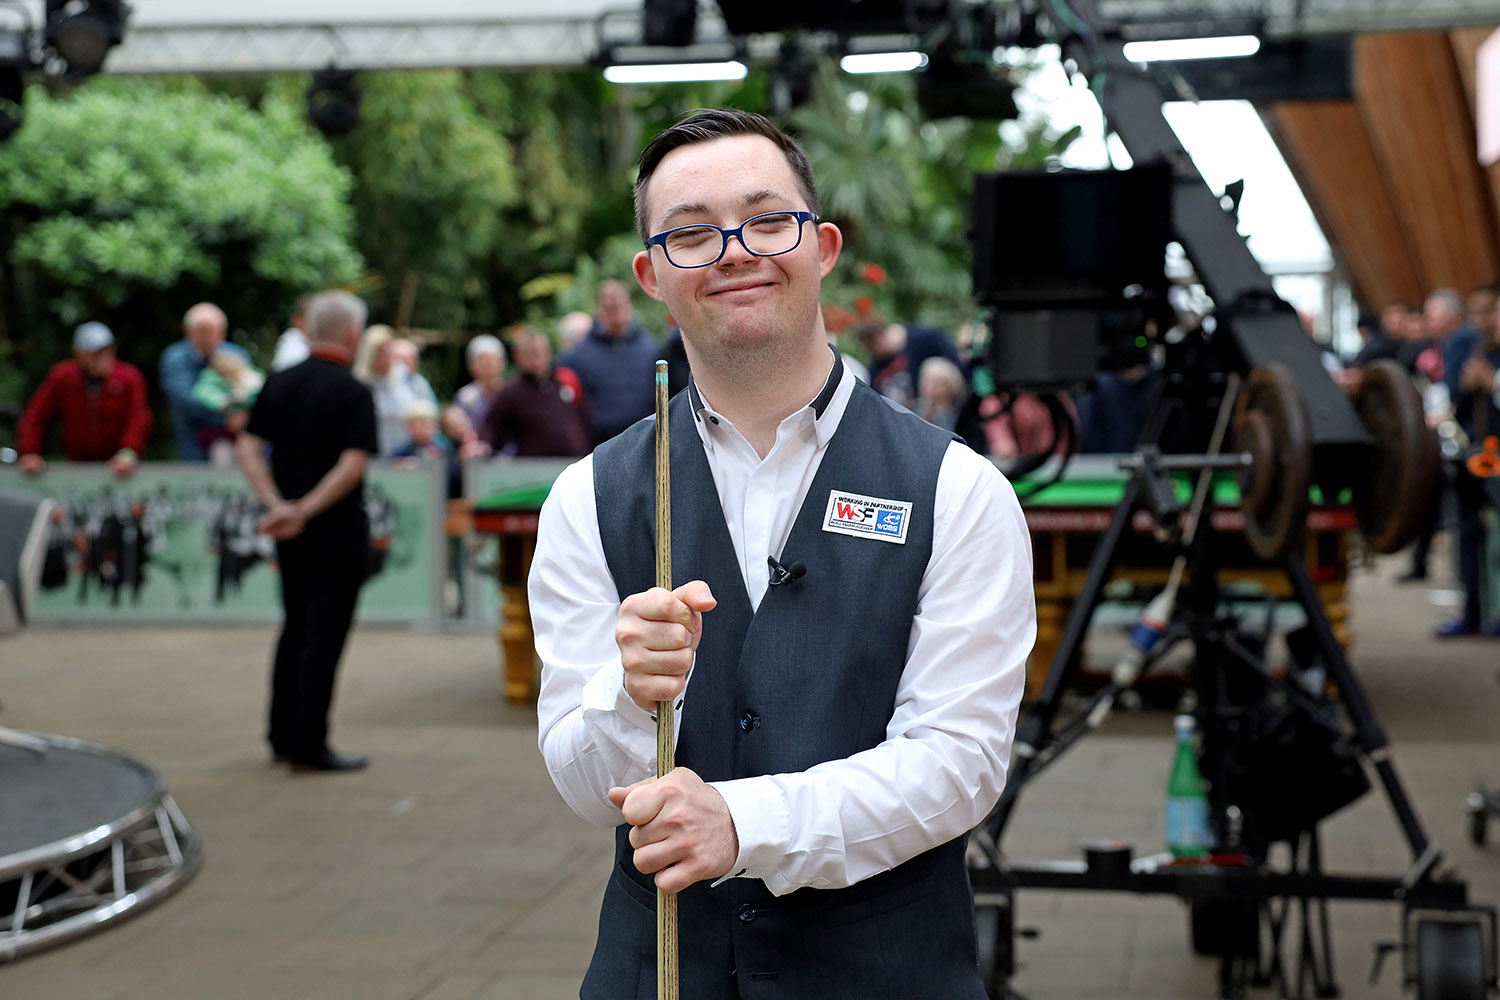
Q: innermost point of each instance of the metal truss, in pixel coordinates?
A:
(110, 868)
(1291, 18)
(269, 48)
(573, 34)
(64, 896)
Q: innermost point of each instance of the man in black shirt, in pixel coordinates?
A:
(319, 421)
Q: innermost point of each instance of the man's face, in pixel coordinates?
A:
(1414, 327)
(614, 310)
(96, 364)
(1392, 319)
(206, 333)
(534, 356)
(744, 304)
(485, 368)
(1440, 319)
(1482, 311)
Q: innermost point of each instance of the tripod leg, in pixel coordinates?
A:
(1371, 737)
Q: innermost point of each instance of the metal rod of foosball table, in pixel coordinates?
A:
(666, 903)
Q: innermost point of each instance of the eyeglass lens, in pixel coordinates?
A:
(766, 235)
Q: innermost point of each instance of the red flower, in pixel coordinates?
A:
(874, 274)
(837, 319)
(864, 305)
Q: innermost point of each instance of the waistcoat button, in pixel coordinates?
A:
(747, 913)
(749, 721)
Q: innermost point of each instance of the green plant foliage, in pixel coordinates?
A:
(433, 179)
(127, 201)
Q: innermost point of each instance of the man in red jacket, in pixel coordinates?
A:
(101, 401)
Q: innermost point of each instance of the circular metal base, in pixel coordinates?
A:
(88, 836)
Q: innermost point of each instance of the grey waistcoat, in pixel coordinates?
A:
(810, 676)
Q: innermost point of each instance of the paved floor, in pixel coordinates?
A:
(450, 870)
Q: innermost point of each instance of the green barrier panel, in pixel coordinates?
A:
(177, 542)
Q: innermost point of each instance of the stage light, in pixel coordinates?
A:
(1179, 49)
(669, 22)
(81, 32)
(883, 62)
(675, 72)
(333, 101)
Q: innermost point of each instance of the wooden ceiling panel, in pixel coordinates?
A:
(1466, 42)
(1410, 95)
(1325, 144)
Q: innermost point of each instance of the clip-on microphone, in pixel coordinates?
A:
(785, 574)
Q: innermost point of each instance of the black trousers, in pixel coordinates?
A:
(319, 590)
(1469, 546)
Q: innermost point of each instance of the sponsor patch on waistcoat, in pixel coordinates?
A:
(867, 517)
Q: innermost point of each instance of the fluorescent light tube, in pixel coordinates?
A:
(675, 72)
(883, 62)
(1177, 49)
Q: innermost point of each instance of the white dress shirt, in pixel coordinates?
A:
(947, 747)
(292, 348)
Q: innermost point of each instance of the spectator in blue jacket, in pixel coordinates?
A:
(616, 364)
(195, 425)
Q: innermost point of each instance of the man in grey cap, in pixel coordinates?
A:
(100, 401)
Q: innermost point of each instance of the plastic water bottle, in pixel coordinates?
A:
(1188, 836)
(1143, 637)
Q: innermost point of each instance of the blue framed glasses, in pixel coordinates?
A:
(767, 235)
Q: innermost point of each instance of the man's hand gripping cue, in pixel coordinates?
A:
(658, 632)
(682, 832)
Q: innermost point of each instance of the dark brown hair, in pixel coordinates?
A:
(706, 125)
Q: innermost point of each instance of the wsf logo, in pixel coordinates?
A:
(867, 517)
(850, 514)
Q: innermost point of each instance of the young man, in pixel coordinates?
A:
(846, 717)
(319, 421)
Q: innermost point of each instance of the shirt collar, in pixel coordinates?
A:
(827, 406)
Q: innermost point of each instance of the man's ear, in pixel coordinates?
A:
(645, 274)
(830, 244)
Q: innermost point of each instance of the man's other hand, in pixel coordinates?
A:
(32, 465)
(657, 633)
(123, 463)
(283, 521)
(682, 831)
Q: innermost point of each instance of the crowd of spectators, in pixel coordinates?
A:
(1450, 346)
(99, 408)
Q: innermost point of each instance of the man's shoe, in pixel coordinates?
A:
(1412, 576)
(329, 760)
(1455, 627)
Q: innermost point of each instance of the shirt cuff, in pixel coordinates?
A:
(608, 708)
(763, 825)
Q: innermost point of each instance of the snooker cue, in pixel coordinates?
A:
(666, 903)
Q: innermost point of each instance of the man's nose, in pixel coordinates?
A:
(734, 249)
